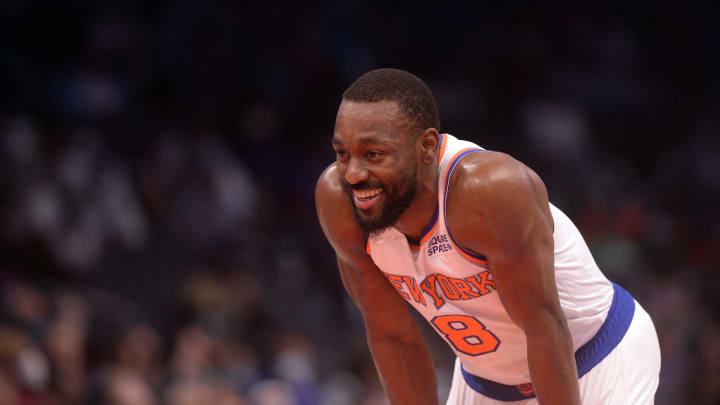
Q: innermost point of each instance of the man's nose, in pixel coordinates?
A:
(356, 172)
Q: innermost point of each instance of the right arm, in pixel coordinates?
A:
(401, 357)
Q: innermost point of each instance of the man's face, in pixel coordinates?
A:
(376, 160)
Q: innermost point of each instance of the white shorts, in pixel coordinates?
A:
(629, 375)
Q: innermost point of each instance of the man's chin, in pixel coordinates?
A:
(382, 215)
(370, 223)
(373, 228)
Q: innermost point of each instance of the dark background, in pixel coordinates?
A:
(158, 240)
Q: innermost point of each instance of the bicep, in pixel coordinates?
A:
(511, 225)
(523, 262)
(526, 283)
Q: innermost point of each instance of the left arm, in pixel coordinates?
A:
(501, 210)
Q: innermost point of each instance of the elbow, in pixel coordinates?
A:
(392, 338)
(549, 322)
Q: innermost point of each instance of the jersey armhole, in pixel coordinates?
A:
(468, 254)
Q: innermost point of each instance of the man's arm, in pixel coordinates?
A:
(500, 209)
(398, 349)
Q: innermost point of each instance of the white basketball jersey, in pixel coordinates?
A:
(454, 290)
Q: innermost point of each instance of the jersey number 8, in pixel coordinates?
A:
(466, 334)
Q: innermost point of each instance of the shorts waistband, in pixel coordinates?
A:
(588, 356)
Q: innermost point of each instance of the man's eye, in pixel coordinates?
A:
(374, 154)
(341, 154)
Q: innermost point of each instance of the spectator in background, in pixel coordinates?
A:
(141, 144)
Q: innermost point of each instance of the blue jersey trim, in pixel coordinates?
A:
(588, 356)
(610, 333)
(452, 167)
(467, 252)
(447, 184)
(425, 231)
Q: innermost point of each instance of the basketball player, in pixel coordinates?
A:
(468, 238)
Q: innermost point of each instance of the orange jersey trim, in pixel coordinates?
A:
(443, 143)
(446, 182)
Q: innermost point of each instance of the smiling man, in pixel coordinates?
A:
(468, 238)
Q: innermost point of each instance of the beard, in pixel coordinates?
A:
(393, 207)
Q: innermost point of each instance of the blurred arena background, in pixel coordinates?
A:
(158, 240)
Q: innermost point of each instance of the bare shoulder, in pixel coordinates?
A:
(495, 199)
(492, 171)
(335, 213)
(328, 186)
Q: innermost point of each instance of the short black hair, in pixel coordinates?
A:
(412, 94)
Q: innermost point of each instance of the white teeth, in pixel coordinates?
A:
(367, 193)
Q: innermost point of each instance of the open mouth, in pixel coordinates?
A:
(365, 199)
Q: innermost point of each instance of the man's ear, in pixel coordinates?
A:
(429, 143)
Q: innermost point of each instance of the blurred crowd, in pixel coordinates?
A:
(162, 280)
(158, 241)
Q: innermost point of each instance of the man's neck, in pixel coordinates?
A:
(422, 210)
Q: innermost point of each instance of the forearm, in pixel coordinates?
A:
(405, 369)
(401, 357)
(552, 367)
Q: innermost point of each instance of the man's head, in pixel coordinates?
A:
(412, 95)
(386, 130)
